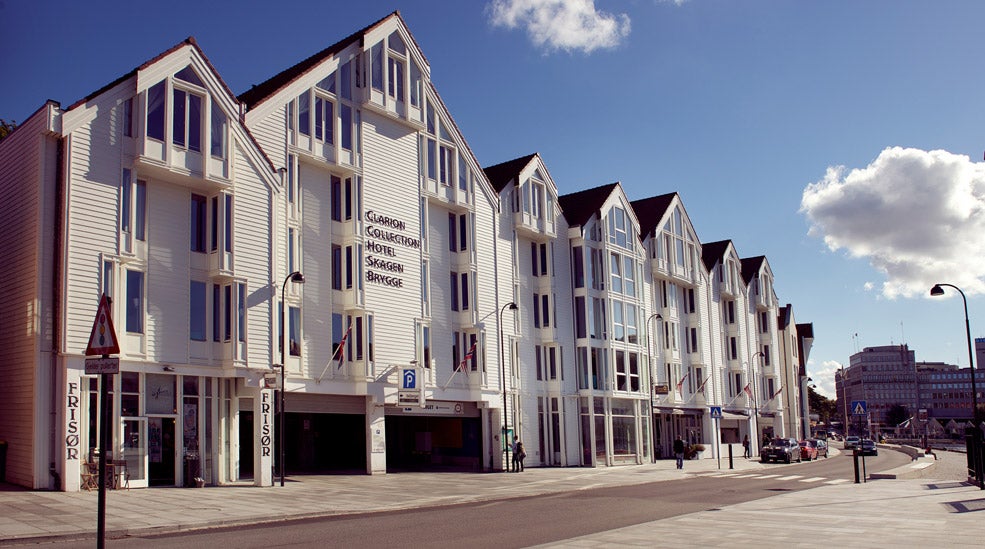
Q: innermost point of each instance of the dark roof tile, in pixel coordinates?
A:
(713, 252)
(501, 174)
(649, 211)
(579, 207)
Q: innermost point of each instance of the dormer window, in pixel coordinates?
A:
(618, 228)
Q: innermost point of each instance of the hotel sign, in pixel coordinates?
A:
(385, 237)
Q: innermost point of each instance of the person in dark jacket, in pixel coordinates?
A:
(679, 451)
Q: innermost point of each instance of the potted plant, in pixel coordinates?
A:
(694, 451)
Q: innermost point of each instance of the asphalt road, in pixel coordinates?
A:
(526, 521)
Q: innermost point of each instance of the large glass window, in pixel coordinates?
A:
(196, 311)
(241, 312)
(198, 223)
(294, 324)
(217, 146)
(155, 111)
(135, 302)
(187, 120)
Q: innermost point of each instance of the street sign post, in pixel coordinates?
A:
(859, 408)
(716, 414)
(103, 342)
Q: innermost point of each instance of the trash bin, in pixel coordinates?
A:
(3, 461)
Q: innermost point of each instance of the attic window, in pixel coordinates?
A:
(328, 84)
(396, 43)
(188, 75)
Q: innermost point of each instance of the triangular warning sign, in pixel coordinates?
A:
(859, 409)
(102, 340)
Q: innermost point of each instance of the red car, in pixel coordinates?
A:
(808, 449)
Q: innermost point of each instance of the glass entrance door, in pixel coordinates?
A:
(134, 451)
(162, 451)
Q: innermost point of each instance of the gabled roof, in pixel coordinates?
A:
(651, 210)
(751, 267)
(784, 315)
(260, 92)
(501, 174)
(713, 252)
(190, 41)
(579, 207)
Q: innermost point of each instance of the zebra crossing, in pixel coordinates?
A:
(786, 478)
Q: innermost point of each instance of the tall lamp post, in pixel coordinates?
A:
(755, 402)
(649, 361)
(297, 277)
(502, 366)
(936, 291)
(974, 446)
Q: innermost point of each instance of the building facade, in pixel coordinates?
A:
(332, 228)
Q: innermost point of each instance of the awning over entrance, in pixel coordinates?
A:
(737, 417)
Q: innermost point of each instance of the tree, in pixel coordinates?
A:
(6, 128)
(825, 408)
(896, 414)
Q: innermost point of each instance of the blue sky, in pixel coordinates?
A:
(746, 108)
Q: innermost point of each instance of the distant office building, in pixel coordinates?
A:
(889, 375)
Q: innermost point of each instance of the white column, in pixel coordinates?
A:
(263, 432)
(375, 437)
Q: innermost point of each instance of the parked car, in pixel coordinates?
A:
(808, 449)
(868, 448)
(851, 442)
(781, 449)
(822, 448)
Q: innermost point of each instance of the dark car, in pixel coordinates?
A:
(781, 449)
(868, 448)
(822, 447)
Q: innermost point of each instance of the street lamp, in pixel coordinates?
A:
(936, 291)
(754, 400)
(297, 277)
(502, 366)
(649, 361)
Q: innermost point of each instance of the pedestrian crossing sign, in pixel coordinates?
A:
(859, 408)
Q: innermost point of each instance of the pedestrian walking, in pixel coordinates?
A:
(521, 454)
(679, 451)
(745, 446)
(516, 454)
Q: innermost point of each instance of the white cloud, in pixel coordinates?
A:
(824, 377)
(562, 24)
(868, 286)
(916, 216)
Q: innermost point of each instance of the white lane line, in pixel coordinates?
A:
(769, 476)
(838, 481)
(814, 479)
(791, 477)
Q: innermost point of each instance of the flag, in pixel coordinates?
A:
(680, 384)
(748, 390)
(463, 365)
(701, 388)
(340, 352)
(777, 393)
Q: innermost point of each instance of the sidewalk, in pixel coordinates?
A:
(38, 516)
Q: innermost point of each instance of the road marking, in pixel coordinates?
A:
(769, 476)
(791, 477)
(838, 481)
(920, 465)
(814, 479)
(746, 476)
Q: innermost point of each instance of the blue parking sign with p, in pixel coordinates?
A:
(410, 378)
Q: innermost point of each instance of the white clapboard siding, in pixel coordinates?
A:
(96, 166)
(252, 211)
(391, 188)
(316, 245)
(168, 276)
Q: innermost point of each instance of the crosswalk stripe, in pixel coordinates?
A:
(769, 476)
(746, 476)
(814, 479)
(838, 481)
(791, 477)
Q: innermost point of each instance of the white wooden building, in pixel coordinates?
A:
(333, 221)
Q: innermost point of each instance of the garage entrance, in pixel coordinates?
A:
(429, 443)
